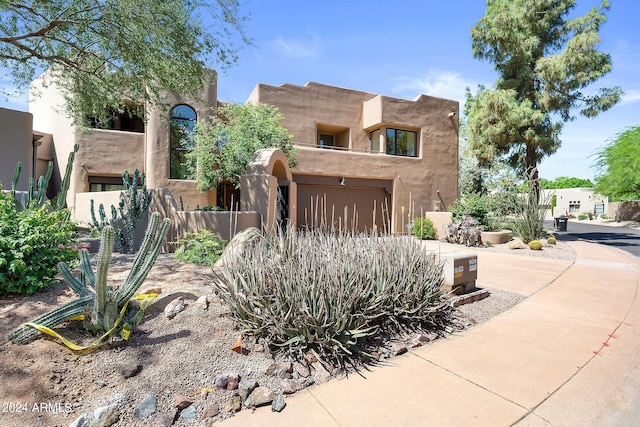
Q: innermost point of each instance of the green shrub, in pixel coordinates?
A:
(552, 240)
(327, 293)
(466, 232)
(423, 228)
(203, 247)
(535, 245)
(32, 242)
(474, 205)
(604, 216)
(582, 217)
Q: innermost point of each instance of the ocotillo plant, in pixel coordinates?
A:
(129, 213)
(101, 304)
(37, 193)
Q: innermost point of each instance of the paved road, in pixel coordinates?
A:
(627, 239)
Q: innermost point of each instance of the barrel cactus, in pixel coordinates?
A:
(535, 245)
(552, 240)
(105, 309)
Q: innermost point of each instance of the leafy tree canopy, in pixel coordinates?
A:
(618, 166)
(545, 62)
(105, 52)
(225, 144)
(565, 182)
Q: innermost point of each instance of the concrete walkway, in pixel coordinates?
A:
(566, 356)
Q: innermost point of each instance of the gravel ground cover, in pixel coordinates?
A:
(171, 361)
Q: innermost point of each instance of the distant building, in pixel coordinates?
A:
(575, 201)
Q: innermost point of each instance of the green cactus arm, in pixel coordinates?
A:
(74, 282)
(16, 178)
(30, 192)
(23, 334)
(133, 282)
(85, 265)
(143, 252)
(104, 259)
(62, 195)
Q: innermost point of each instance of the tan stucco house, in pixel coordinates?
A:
(358, 152)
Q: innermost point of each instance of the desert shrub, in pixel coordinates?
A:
(466, 232)
(474, 205)
(535, 245)
(604, 216)
(423, 228)
(32, 242)
(552, 240)
(529, 222)
(582, 217)
(203, 247)
(327, 293)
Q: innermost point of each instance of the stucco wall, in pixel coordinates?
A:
(16, 145)
(585, 197)
(307, 108)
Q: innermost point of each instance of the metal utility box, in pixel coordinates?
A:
(460, 271)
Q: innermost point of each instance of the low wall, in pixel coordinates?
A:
(224, 223)
(624, 211)
(439, 219)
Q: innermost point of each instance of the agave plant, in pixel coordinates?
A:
(105, 309)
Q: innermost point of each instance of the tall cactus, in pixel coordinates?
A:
(100, 303)
(36, 194)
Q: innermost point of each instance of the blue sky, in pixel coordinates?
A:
(406, 48)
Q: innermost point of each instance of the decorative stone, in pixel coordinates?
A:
(147, 407)
(152, 290)
(211, 411)
(234, 248)
(189, 414)
(232, 381)
(278, 404)
(272, 369)
(174, 307)
(203, 301)
(129, 367)
(290, 386)
(222, 381)
(182, 401)
(320, 374)
(105, 416)
(287, 367)
(284, 374)
(163, 419)
(259, 397)
(246, 387)
(234, 404)
(518, 244)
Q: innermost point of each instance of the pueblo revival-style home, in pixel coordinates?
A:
(368, 160)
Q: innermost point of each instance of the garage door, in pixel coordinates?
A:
(324, 201)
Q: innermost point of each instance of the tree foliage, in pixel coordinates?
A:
(545, 61)
(224, 145)
(618, 165)
(565, 182)
(105, 53)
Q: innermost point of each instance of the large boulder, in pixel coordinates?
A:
(237, 244)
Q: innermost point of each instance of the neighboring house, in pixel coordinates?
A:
(19, 143)
(359, 152)
(575, 201)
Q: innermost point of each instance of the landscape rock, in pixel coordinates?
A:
(147, 407)
(278, 404)
(203, 301)
(284, 374)
(398, 348)
(518, 244)
(106, 416)
(259, 397)
(232, 381)
(182, 401)
(246, 387)
(234, 404)
(152, 290)
(211, 411)
(234, 248)
(189, 414)
(290, 386)
(272, 369)
(320, 374)
(163, 419)
(222, 381)
(174, 307)
(129, 367)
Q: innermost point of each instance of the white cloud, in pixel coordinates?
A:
(443, 84)
(297, 48)
(631, 96)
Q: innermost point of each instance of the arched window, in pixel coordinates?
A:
(182, 126)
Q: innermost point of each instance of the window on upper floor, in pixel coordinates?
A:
(130, 120)
(182, 125)
(397, 142)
